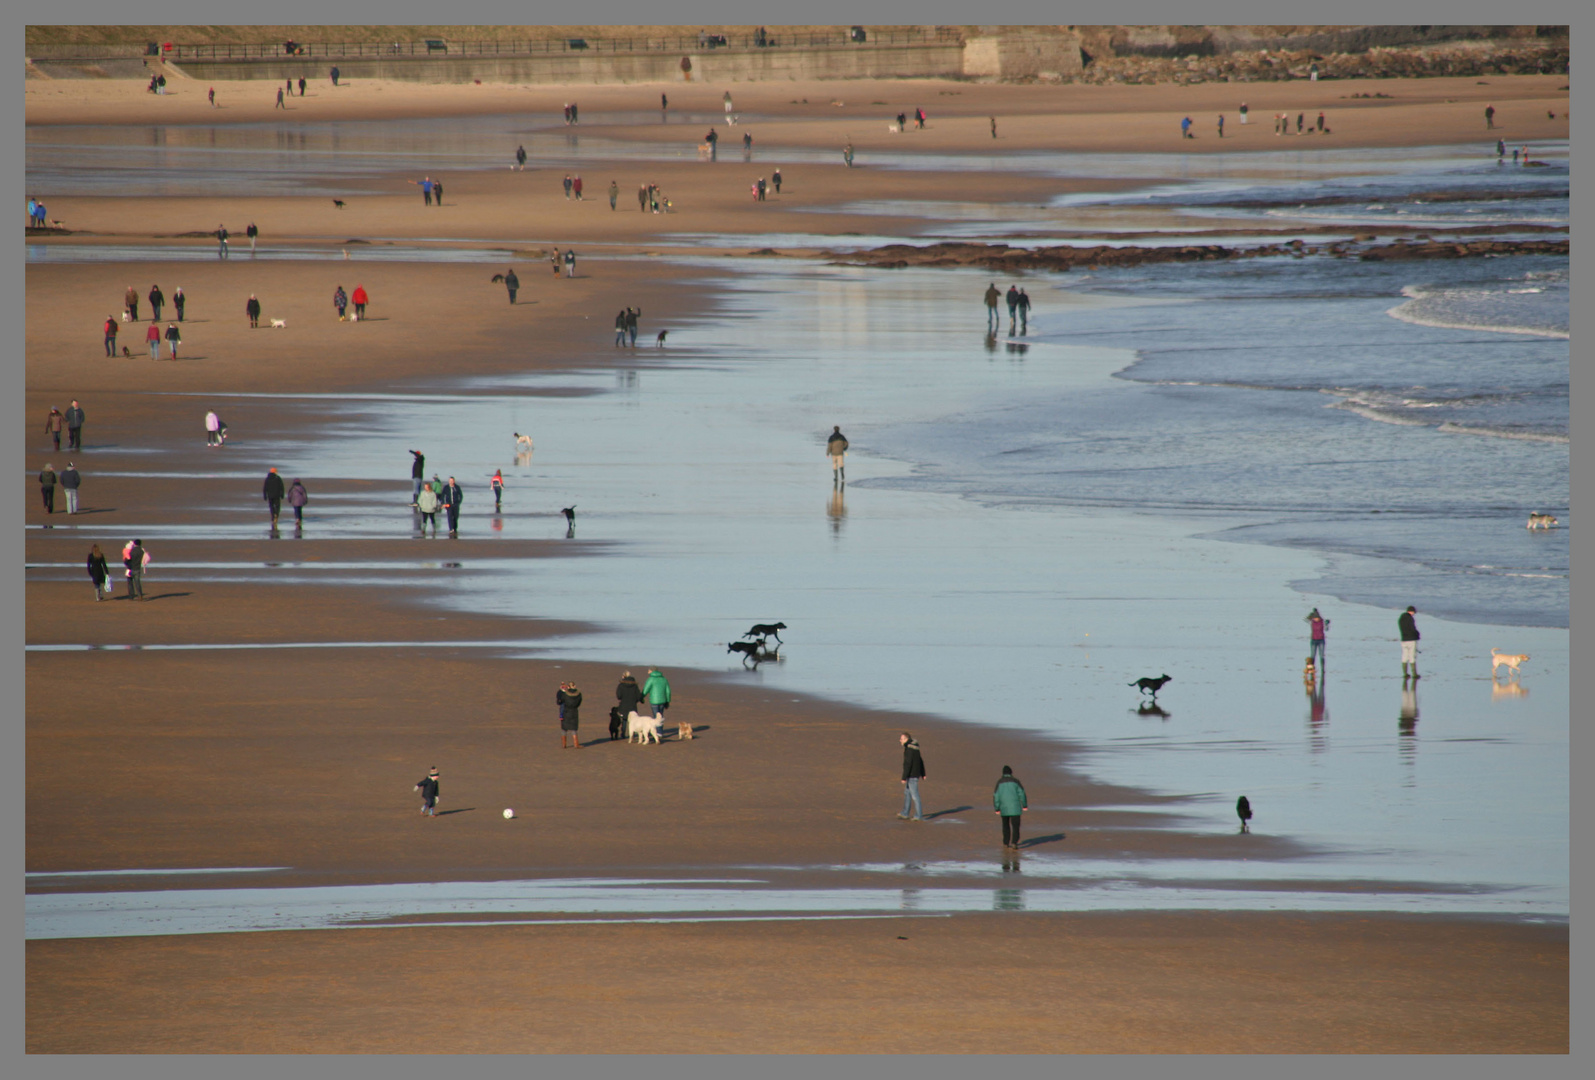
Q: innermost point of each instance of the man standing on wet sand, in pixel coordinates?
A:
(512, 284)
(452, 498)
(272, 492)
(1408, 626)
(74, 420)
(1013, 307)
(992, 296)
(632, 315)
(913, 773)
(1489, 116)
(1024, 312)
(836, 447)
(1009, 800)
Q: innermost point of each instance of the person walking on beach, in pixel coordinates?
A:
(775, 178)
(570, 262)
(340, 300)
(1243, 810)
(221, 244)
(334, 74)
(99, 572)
(568, 183)
(993, 127)
(576, 186)
(569, 700)
(280, 105)
(1024, 312)
(426, 503)
(497, 484)
(152, 336)
(179, 301)
(620, 327)
(437, 193)
(130, 301)
(656, 688)
(1243, 110)
(1407, 624)
(252, 309)
(213, 429)
(211, 95)
(836, 447)
(557, 261)
(70, 479)
(253, 232)
(1299, 118)
(727, 101)
(428, 787)
(1185, 128)
(520, 157)
(425, 184)
(512, 284)
(1318, 627)
(272, 492)
(642, 198)
(47, 487)
(913, 773)
(157, 301)
(992, 296)
(1013, 307)
(174, 338)
(1500, 149)
(74, 426)
(360, 300)
(1221, 125)
(301, 86)
(53, 422)
(614, 193)
(747, 144)
(632, 315)
(297, 497)
(1009, 800)
(136, 559)
(417, 473)
(628, 694)
(1489, 117)
(110, 335)
(1321, 127)
(452, 498)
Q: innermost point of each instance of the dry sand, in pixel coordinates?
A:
(305, 757)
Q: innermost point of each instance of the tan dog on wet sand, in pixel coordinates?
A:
(1542, 521)
(1510, 660)
(683, 730)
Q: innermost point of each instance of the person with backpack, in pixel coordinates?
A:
(1009, 800)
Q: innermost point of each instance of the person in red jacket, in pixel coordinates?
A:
(110, 335)
(360, 301)
(153, 336)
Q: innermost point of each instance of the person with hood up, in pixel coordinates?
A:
(428, 787)
(569, 700)
(297, 497)
(157, 301)
(913, 773)
(656, 688)
(99, 572)
(1009, 800)
(272, 492)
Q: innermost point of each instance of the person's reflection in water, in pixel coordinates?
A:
(836, 509)
(1017, 350)
(1008, 900)
(1407, 723)
(910, 900)
(498, 524)
(991, 343)
(1010, 860)
(1317, 715)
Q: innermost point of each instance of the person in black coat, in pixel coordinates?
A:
(913, 773)
(99, 572)
(451, 499)
(569, 700)
(629, 696)
(513, 284)
(272, 492)
(1243, 810)
(252, 309)
(428, 787)
(157, 300)
(1408, 626)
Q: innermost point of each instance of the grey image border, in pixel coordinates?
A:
(621, 13)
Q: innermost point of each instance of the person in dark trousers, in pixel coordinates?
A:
(1243, 810)
(992, 298)
(252, 309)
(47, 487)
(628, 694)
(253, 233)
(130, 301)
(497, 484)
(512, 283)
(179, 301)
(437, 193)
(340, 300)
(157, 301)
(452, 498)
(569, 700)
(913, 773)
(775, 178)
(70, 479)
(1489, 116)
(135, 558)
(1408, 625)
(1024, 312)
(1221, 125)
(297, 497)
(221, 243)
(614, 193)
(301, 86)
(520, 157)
(417, 473)
(1009, 800)
(620, 327)
(280, 105)
(110, 335)
(272, 492)
(174, 338)
(360, 298)
(53, 423)
(334, 74)
(836, 447)
(1318, 626)
(99, 572)
(428, 787)
(993, 127)
(632, 315)
(74, 426)
(1013, 307)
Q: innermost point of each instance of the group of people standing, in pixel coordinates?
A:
(1008, 797)
(275, 493)
(35, 213)
(134, 562)
(430, 190)
(629, 697)
(1018, 309)
(428, 497)
(626, 326)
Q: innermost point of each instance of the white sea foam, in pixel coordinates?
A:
(1466, 309)
(1503, 433)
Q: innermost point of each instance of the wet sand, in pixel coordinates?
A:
(305, 758)
(1006, 983)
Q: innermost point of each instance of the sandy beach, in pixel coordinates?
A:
(303, 757)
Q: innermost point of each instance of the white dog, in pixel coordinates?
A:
(1512, 661)
(523, 443)
(279, 324)
(1542, 521)
(641, 727)
(126, 317)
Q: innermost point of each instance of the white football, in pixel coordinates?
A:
(508, 813)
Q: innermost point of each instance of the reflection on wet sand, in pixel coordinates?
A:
(1407, 726)
(1511, 688)
(1317, 715)
(836, 509)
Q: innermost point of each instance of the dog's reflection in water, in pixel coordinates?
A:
(1152, 708)
(1510, 688)
(523, 458)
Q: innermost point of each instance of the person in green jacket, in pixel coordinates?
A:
(1008, 799)
(656, 689)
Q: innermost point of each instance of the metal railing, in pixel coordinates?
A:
(778, 39)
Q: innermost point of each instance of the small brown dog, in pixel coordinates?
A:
(126, 353)
(1310, 671)
(683, 730)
